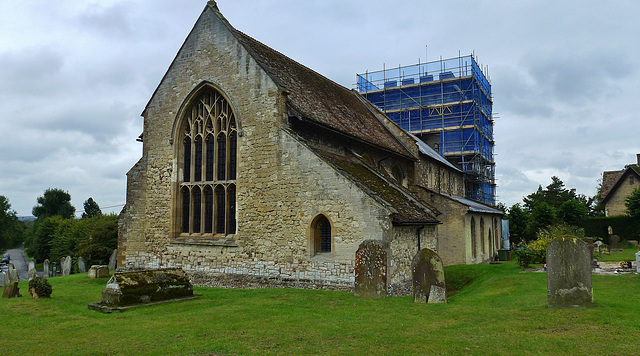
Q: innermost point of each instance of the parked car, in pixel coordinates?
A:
(5, 258)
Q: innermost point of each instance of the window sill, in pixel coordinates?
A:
(228, 241)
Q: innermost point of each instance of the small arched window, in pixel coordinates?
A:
(208, 162)
(473, 238)
(321, 235)
(482, 236)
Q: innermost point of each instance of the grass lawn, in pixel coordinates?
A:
(500, 311)
(627, 253)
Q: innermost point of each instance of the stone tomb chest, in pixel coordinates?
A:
(135, 288)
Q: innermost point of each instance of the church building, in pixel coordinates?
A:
(255, 167)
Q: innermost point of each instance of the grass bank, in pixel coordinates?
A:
(499, 310)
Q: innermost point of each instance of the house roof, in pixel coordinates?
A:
(317, 98)
(408, 210)
(611, 179)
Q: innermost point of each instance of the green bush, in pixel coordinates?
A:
(524, 255)
(41, 287)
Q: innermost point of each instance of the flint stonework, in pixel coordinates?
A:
(428, 277)
(569, 273)
(371, 270)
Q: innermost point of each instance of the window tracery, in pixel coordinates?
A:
(208, 163)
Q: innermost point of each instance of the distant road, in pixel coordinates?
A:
(19, 261)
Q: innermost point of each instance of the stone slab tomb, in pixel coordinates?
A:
(133, 288)
(569, 273)
(371, 270)
(98, 271)
(428, 277)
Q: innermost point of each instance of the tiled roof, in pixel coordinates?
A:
(409, 209)
(610, 179)
(316, 98)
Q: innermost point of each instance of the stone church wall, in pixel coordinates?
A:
(281, 186)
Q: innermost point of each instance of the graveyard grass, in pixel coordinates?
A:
(499, 310)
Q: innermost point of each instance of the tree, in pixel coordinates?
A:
(54, 202)
(102, 239)
(91, 208)
(518, 223)
(41, 233)
(633, 203)
(573, 211)
(11, 229)
(554, 194)
(543, 215)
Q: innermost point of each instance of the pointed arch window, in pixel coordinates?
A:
(208, 160)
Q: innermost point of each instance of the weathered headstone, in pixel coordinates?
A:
(614, 242)
(569, 273)
(66, 266)
(12, 274)
(11, 291)
(98, 271)
(32, 269)
(3, 279)
(82, 266)
(371, 269)
(113, 259)
(638, 261)
(45, 266)
(428, 277)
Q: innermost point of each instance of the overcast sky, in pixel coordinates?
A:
(75, 76)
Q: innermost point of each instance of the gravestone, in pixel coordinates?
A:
(371, 269)
(113, 259)
(11, 291)
(638, 261)
(98, 271)
(569, 273)
(12, 274)
(32, 269)
(428, 277)
(45, 265)
(614, 243)
(82, 266)
(3, 279)
(66, 266)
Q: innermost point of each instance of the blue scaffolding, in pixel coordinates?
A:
(448, 104)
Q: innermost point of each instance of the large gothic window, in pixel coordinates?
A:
(208, 163)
